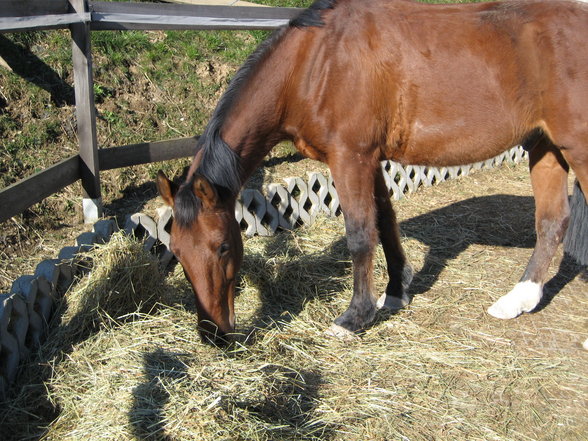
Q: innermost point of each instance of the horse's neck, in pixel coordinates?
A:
(252, 126)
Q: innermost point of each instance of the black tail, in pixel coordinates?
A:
(576, 240)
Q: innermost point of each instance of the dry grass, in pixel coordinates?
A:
(440, 370)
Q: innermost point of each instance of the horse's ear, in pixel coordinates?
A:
(205, 191)
(166, 188)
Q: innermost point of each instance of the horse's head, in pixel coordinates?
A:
(206, 239)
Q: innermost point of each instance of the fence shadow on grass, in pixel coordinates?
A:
(132, 200)
(22, 61)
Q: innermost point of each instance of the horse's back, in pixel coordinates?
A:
(401, 75)
(565, 64)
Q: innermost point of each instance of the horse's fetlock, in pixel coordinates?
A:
(407, 276)
(358, 315)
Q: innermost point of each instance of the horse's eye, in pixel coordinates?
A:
(223, 249)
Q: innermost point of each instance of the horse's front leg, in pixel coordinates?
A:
(549, 173)
(354, 179)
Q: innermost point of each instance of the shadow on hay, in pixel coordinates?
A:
(495, 221)
(147, 417)
(289, 408)
(282, 403)
(498, 221)
(286, 286)
(28, 409)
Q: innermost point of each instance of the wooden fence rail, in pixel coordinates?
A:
(148, 16)
(82, 17)
(21, 195)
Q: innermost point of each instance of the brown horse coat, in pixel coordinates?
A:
(353, 82)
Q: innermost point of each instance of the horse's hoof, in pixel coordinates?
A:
(503, 312)
(392, 303)
(340, 332)
(524, 297)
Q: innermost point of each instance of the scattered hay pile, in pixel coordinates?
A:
(441, 369)
(124, 281)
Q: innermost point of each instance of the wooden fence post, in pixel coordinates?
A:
(86, 115)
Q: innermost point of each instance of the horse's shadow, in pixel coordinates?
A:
(289, 407)
(149, 398)
(498, 221)
(321, 274)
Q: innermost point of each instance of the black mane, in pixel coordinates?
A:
(220, 164)
(313, 15)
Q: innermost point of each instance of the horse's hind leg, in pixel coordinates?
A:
(549, 173)
(399, 270)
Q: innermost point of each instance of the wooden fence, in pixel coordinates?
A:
(82, 17)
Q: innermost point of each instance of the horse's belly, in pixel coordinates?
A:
(453, 142)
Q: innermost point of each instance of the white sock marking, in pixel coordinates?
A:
(524, 297)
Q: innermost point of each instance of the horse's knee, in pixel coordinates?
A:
(552, 216)
(360, 240)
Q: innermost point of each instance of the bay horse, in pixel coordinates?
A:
(355, 82)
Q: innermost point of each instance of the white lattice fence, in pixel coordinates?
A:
(26, 310)
(298, 202)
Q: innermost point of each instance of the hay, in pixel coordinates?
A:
(124, 279)
(441, 369)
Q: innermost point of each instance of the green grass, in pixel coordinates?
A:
(148, 85)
